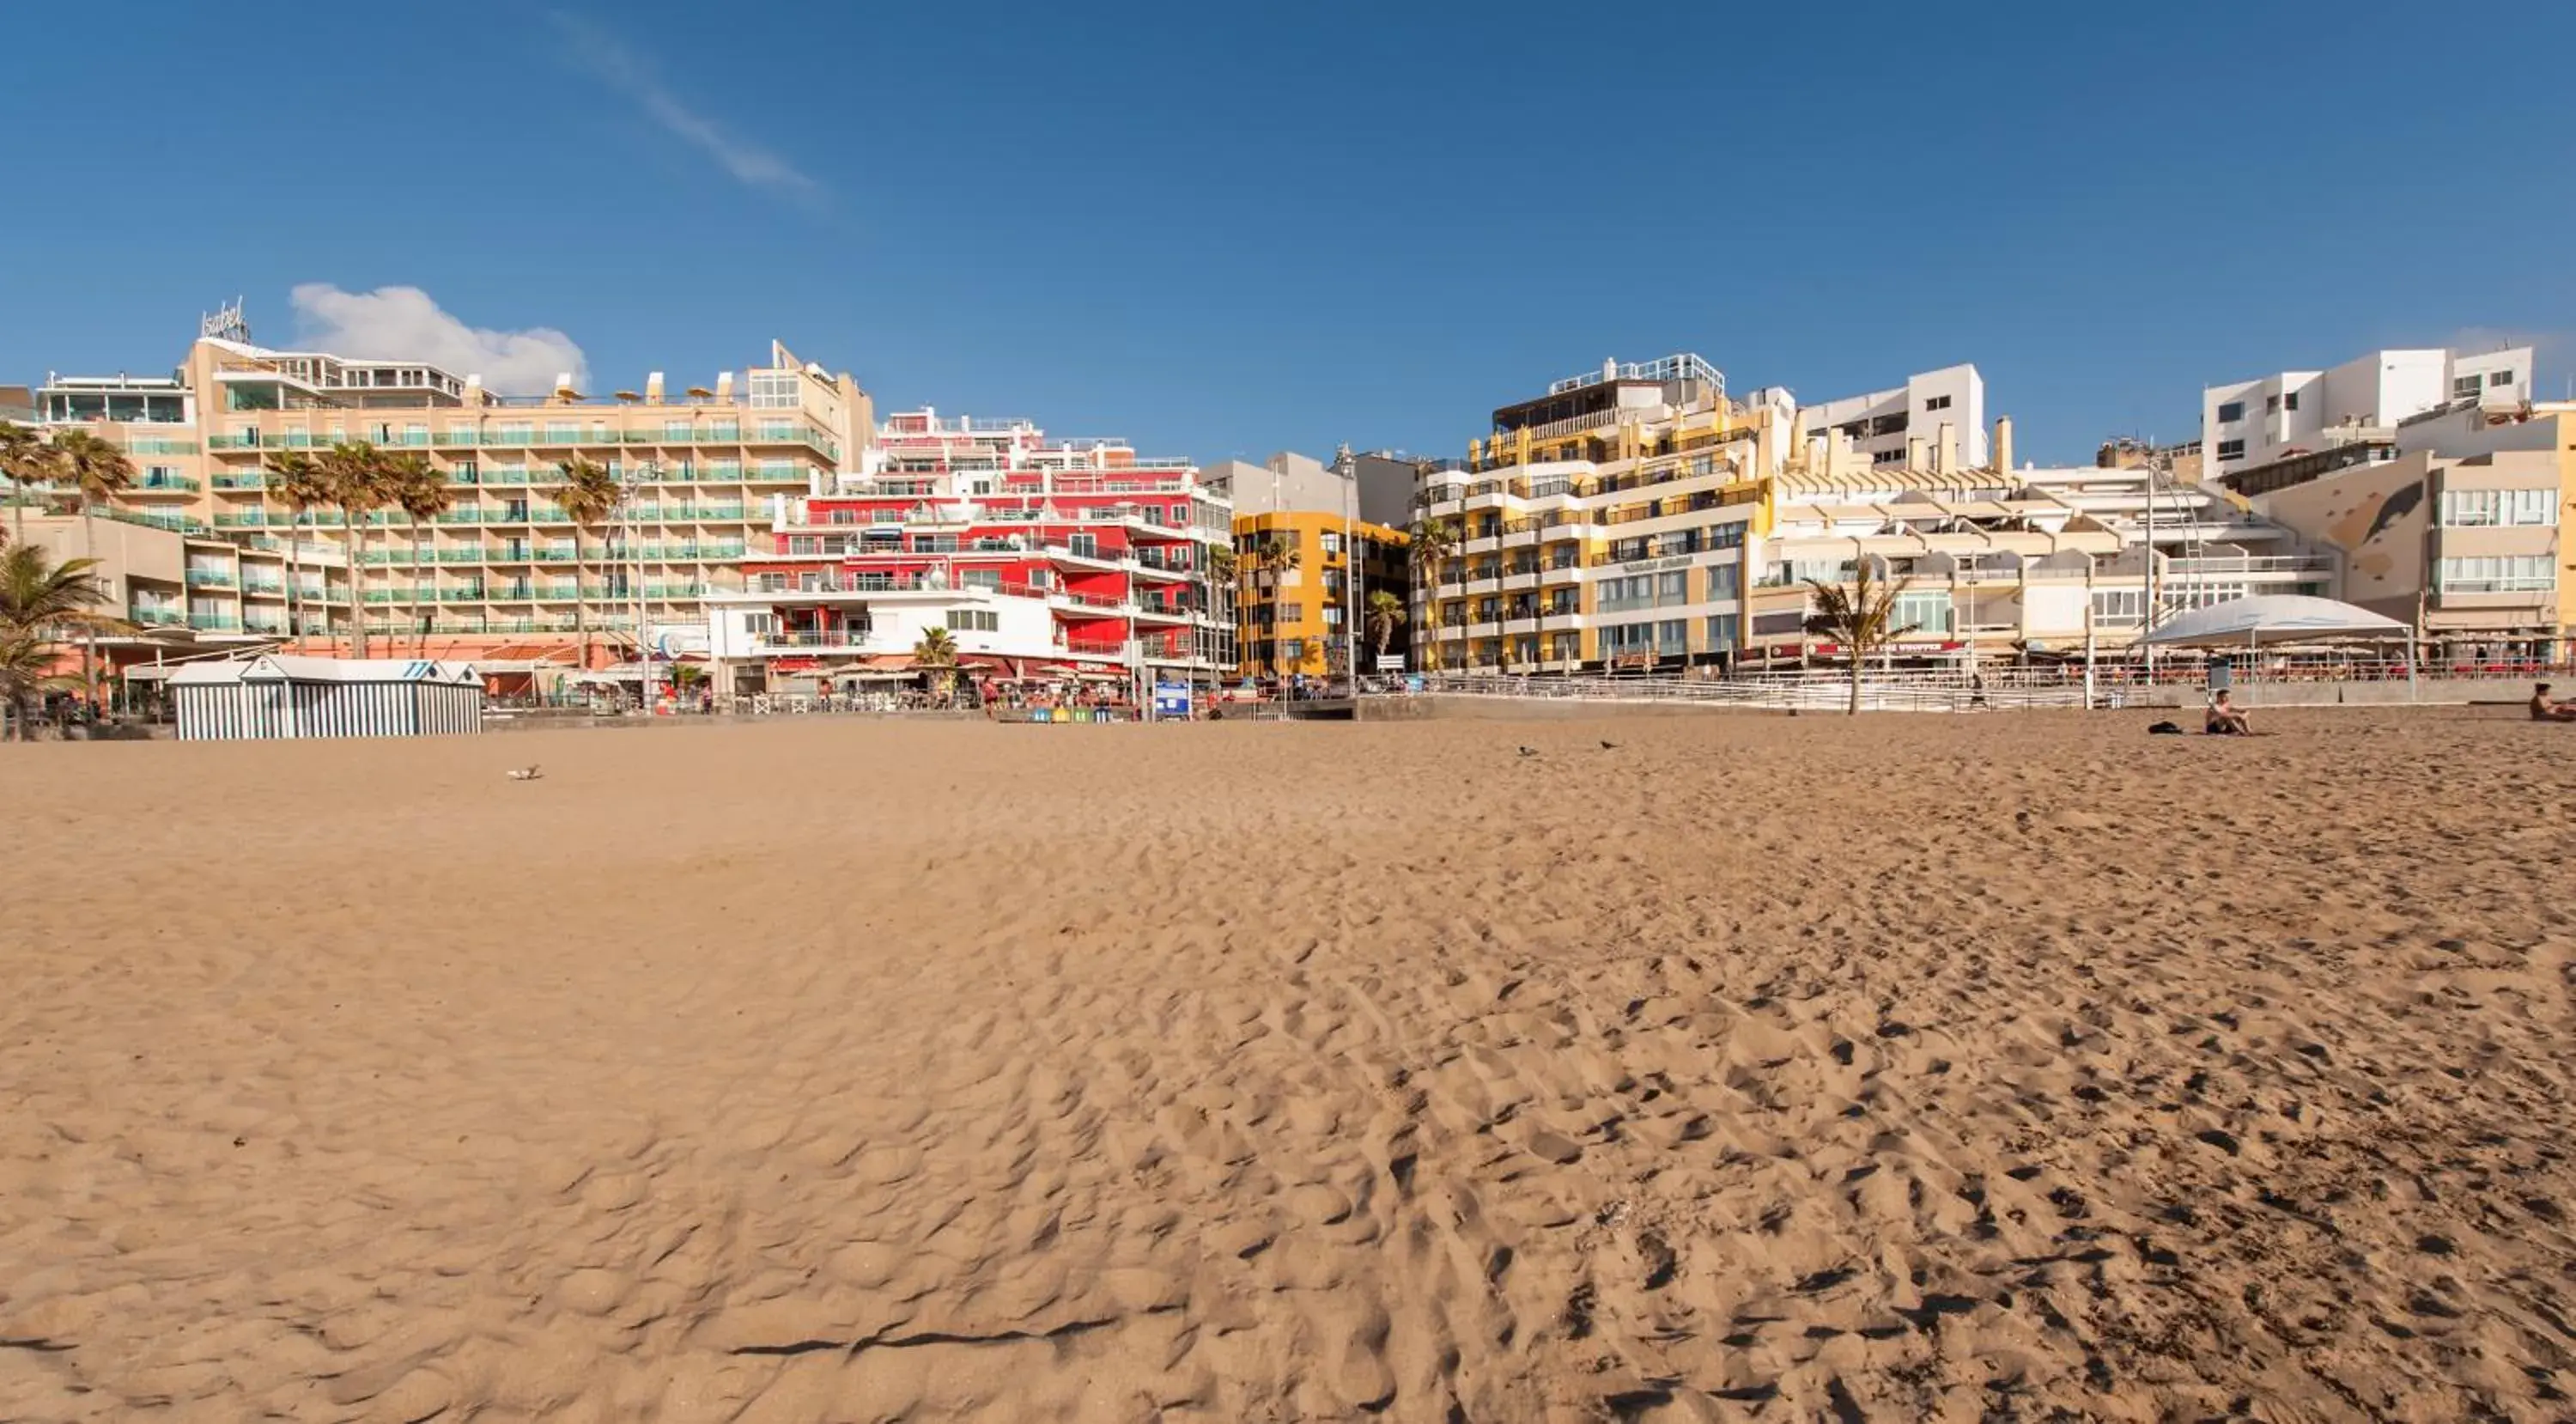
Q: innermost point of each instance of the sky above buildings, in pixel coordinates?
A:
(1224, 230)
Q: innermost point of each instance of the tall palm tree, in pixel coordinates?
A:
(98, 472)
(356, 474)
(936, 653)
(26, 458)
(1385, 615)
(421, 492)
(1861, 616)
(1433, 543)
(589, 495)
(296, 479)
(38, 599)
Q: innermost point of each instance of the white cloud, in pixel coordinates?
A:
(631, 74)
(402, 323)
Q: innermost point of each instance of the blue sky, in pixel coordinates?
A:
(1223, 230)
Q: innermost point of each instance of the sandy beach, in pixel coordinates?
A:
(1953, 1068)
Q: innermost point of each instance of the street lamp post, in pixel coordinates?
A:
(645, 474)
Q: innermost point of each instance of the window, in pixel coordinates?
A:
(2271, 404)
(2464, 386)
(1292, 612)
(974, 620)
(1722, 629)
(2500, 378)
(980, 578)
(1293, 651)
(1332, 615)
(773, 390)
(2231, 449)
(2119, 607)
(2479, 509)
(2231, 412)
(2290, 401)
(1937, 403)
(1672, 637)
(1332, 544)
(1927, 611)
(2517, 573)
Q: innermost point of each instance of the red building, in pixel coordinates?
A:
(1042, 559)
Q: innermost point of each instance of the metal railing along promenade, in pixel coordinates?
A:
(1819, 692)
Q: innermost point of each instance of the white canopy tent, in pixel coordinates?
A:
(2274, 618)
(2281, 618)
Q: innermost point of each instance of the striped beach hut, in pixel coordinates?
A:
(280, 697)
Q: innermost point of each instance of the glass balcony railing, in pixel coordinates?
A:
(211, 578)
(157, 615)
(214, 622)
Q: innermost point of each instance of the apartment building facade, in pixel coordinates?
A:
(1936, 420)
(1642, 519)
(1042, 559)
(2247, 425)
(1311, 541)
(706, 469)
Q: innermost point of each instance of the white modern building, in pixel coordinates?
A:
(1935, 421)
(2246, 425)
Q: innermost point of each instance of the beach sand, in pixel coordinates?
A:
(1948, 1068)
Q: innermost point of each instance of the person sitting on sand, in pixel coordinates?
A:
(2543, 709)
(2225, 720)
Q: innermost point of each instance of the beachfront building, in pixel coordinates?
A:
(2009, 565)
(493, 577)
(1601, 523)
(1311, 542)
(1042, 559)
(2434, 479)
(1642, 519)
(190, 594)
(2249, 425)
(1937, 419)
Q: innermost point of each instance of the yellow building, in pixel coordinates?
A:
(1601, 524)
(1296, 599)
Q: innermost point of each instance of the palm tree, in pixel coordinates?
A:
(294, 478)
(936, 653)
(26, 668)
(98, 472)
(37, 598)
(356, 474)
(1385, 615)
(421, 492)
(589, 495)
(1220, 563)
(26, 458)
(1860, 616)
(1274, 555)
(1434, 543)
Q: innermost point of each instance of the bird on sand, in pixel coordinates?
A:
(1529, 751)
(1609, 746)
(525, 773)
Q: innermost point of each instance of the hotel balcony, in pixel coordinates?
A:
(1527, 579)
(211, 578)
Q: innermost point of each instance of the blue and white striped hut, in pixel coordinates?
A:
(277, 697)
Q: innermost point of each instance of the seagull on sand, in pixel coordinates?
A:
(525, 773)
(1609, 746)
(1529, 751)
